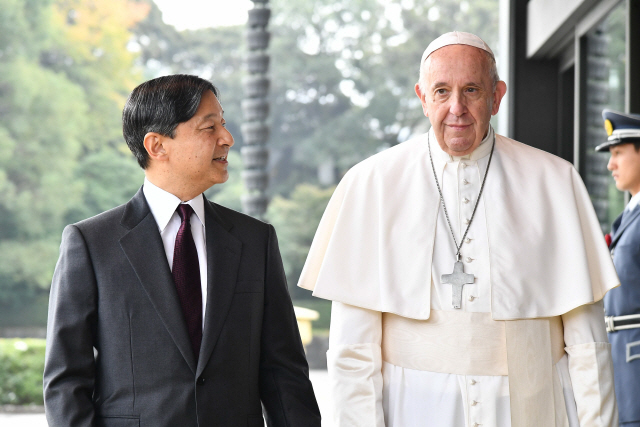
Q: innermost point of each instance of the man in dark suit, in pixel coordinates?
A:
(171, 310)
(622, 305)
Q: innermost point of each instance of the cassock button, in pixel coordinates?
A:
(471, 298)
(467, 221)
(464, 165)
(476, 424)
(200, 381)
(469, 259)
(474, 403)
(465, 200)
(465, 182)
(472, 382)
(467, 240)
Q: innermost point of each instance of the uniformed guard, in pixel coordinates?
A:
(622, 305)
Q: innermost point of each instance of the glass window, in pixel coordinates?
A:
(605, 74)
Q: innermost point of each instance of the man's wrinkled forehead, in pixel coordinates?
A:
(455, 37)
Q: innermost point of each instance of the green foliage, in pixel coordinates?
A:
(25, 312)
(23, 27)
(110, 177)
(21, 368)
(344, 75)
(296, 220)
(64, 75)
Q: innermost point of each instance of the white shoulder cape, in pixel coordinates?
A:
(374, 245)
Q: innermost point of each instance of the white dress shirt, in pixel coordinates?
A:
(635, 200)
(163, 206)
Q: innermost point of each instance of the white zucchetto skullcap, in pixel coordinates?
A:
(455, 37)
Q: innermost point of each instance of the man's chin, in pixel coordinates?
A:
(221, 179)
(459, 146)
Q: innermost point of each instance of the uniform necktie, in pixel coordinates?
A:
(186, 276)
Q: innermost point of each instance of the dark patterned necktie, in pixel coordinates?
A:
(186, 276)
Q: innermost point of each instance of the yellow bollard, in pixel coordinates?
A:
(305, 317)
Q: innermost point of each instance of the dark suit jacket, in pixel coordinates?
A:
(118, 352)
(622, 301)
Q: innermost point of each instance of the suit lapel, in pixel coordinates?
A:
(223, 259)
(627, 218)
(144, 249)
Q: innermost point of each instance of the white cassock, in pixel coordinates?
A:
(537, 253)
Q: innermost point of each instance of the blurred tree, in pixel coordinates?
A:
(344, 73)
(64, 75)
(40, 146)
(296, 220)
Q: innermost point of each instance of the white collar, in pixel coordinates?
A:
(483, 149)
(635, 200)
(163, 204)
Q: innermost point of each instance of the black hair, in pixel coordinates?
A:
(160, 105)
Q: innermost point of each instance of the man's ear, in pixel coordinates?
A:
(154, 144)
(498, 94)
(422, 100)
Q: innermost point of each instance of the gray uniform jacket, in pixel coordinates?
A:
(118, 351)
(622, 301)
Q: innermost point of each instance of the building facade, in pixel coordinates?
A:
(564, 62)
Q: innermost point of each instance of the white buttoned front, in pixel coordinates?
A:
(484, 399)
(461, 180)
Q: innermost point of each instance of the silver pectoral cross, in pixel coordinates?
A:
(457, 279)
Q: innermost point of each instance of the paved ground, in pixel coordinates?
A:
(22, 420)
(319, 379)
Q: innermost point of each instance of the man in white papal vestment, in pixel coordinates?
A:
(466, 270)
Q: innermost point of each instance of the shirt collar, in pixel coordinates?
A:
(163, 204)
(483, 149)
(635, 200)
